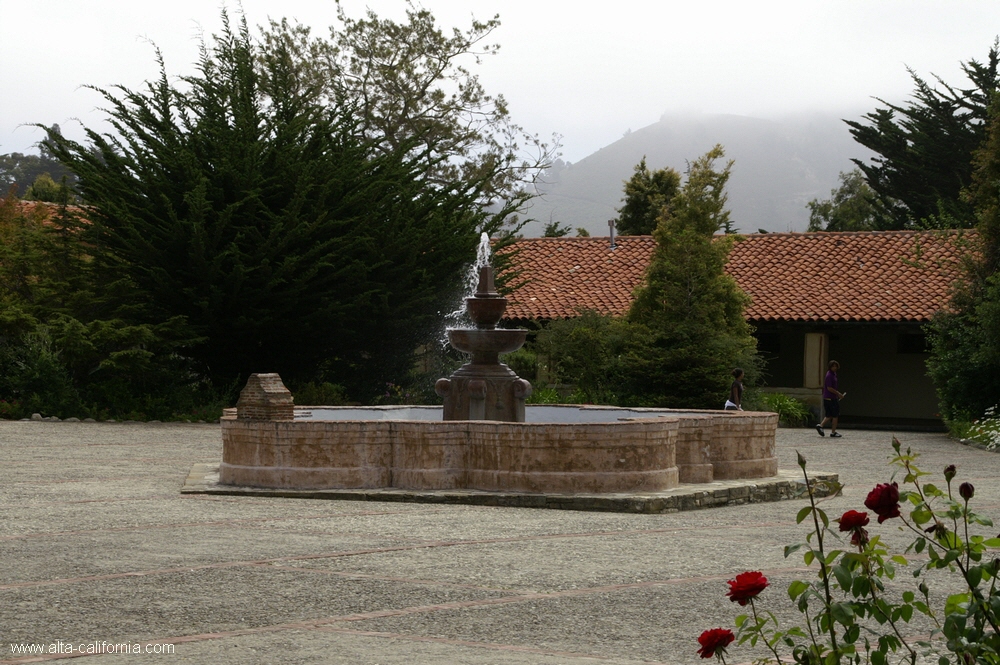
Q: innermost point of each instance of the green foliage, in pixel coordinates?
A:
(592, 352)
(924, 149)
(524, 363)
(318, 394)
(685, 332)
(556, 230)
(690, 311)
(412, 91)
(791, 412)
(851, 207)
(647, 195)
(582, 232)
(56, 357)
(965, 341)
(46, 189)
(984, 431)
(21, 170)
(851, 612)
(271, 228)
(965, 355)
(540, 396)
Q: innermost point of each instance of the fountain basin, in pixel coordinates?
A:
(488, 343)
(559, 449)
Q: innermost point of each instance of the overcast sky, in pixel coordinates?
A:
(587, 74)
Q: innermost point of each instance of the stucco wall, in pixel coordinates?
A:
(881, 383)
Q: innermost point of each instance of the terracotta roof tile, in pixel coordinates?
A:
(866, 276)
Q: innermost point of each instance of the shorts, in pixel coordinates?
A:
(831, 408)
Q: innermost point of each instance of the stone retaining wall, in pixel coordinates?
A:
(263, 446)
(482, 455)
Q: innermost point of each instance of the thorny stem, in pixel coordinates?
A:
(871, 591)
(753, 608)
(822, 561)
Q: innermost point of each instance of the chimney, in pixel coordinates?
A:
(611, 232)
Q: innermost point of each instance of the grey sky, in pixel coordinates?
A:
(588, 74)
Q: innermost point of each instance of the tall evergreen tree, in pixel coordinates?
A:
(965, 341)
(282, 235)
(924, 148)
(647, 194)
(692, 309)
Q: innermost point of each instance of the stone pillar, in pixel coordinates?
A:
(265, 397)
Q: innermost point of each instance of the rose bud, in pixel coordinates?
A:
(949, 472)
(966, 491)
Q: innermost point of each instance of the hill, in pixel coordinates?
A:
(780, 165)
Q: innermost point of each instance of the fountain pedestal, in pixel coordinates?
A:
(484, 388)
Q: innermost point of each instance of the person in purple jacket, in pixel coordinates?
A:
(831, 400)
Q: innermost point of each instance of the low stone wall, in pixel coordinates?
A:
(743, 445)
(636, 456)
(591, 449)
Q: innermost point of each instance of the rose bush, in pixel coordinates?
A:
(851, 615)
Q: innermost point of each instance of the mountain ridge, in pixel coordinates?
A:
(779, 166)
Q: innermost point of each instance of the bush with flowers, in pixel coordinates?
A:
(850, 616)
(985, 430)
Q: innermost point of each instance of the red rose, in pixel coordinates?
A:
(855, 522)
(746, 586)
(884, 500)
(853, 519)
(715, 640)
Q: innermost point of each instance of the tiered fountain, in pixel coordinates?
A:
(485, 438)
(484, 388)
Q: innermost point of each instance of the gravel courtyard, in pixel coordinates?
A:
(98, 546)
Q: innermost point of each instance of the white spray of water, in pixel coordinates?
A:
(459, 318)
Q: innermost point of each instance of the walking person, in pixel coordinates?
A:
(831, 400)
(735, 401)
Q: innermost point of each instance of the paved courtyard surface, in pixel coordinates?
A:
(97, 545)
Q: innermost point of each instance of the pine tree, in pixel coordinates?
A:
(692, 310)
(647, 193)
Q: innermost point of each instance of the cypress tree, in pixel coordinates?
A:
(266, 225)
(691, 309)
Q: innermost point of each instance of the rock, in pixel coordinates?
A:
(154, 421)
(36, 416)
(110, 420)
(89, 420)
(52, 419)
(72, 419)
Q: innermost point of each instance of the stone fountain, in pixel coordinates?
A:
(484, 388)
(484, 438)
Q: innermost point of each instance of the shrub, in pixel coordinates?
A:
(791, 412)
(544, 396)
(985, 430)
(319, 394)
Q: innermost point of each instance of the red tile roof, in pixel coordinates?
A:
(865, 276)
(567, 275)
